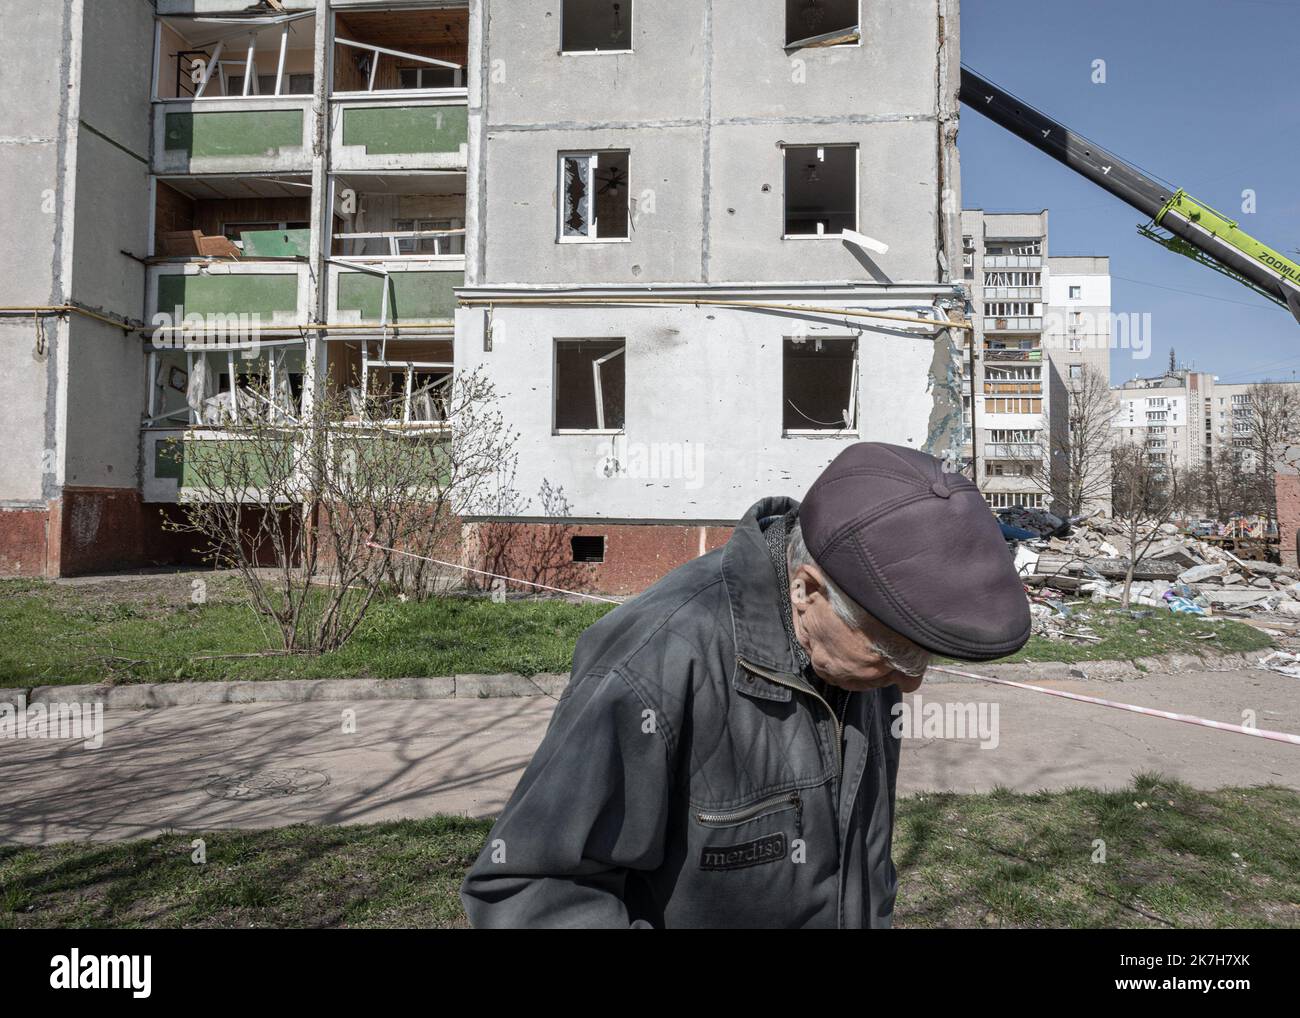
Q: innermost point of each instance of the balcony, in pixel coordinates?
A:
(415, 294)
(233, 94)
(1013, 388)
(233, 136)
(1017, 452)
(397, 133)
(1013, 261)
(1013, 355)
(399, 99)
(400, 216)
(1031, 324)
(225, 297)
(1031, 293)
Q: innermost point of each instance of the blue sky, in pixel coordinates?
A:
(1202, 94)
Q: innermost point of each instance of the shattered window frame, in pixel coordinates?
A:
(850, 415)
(820, 37)
(603, 399)
(626, 10)
(578, 222)
(786, 149)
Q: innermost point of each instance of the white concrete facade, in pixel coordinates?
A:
(706, 104)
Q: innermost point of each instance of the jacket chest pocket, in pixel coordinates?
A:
(743, 816)
(750, 864)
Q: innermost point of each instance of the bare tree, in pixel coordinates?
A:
(1225, 487)
(1080, 452)
(308, 504)
(1146, 493)
(1274, 426)
(1069, 461)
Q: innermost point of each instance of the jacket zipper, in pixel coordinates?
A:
(837, 718)
(737, 816)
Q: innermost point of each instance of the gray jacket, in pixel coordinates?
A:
(690, 777)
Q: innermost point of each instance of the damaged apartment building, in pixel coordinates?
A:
(699, 247)
(1042, 322)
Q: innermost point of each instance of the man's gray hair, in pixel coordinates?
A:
(902, 654)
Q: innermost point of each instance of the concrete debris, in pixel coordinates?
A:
(1179, 573)
(1281, 661)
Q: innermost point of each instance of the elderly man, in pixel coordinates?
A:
(722, 756)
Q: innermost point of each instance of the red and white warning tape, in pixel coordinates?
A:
(1261, 733)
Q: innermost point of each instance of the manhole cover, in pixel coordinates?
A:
(267, 784)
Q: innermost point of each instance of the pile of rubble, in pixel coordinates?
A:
(1090, 557)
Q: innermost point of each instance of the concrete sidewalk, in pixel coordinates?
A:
(269, 764)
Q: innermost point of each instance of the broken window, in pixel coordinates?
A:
(215, 58)
(378, 51)
(588, 26)
(264, 84)
(593, 196)
(587, 548)
(819, 384)
(399, 215)
(811, 23)
(589, 384)
(430, 77)
(430, 236)
(400, 381)
(821, 190)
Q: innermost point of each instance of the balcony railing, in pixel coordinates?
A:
(1013, 261)
(1008, 324)
(395, 132)
(225, 296)
(1013, 388)
(999, 354)
(1034, 293)
(1017, 451)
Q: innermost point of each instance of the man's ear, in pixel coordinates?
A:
(804, 583)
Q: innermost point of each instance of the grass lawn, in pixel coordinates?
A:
(1154, 631)
(1183, 858)
(146, 629)
(140, 630)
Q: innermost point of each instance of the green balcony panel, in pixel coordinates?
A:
(422, 462)
(406, 130)
(265, 294)
(169, 459)
(245, 466)
(412, 296)
(276, 243)
(233, 132)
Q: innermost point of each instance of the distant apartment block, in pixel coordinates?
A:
(1040, 321)
(1186, 418)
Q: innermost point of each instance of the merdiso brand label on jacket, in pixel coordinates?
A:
(751, 853)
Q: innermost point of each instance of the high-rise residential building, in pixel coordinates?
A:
(1186, 418)
(1041, 322)
(698, 248)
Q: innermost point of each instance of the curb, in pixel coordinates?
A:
(477, 687)
(190, 694)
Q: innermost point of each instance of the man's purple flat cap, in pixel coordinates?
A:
(918, 549)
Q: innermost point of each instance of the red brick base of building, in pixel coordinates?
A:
(598, 558)
(96, 530)
(90, 530)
